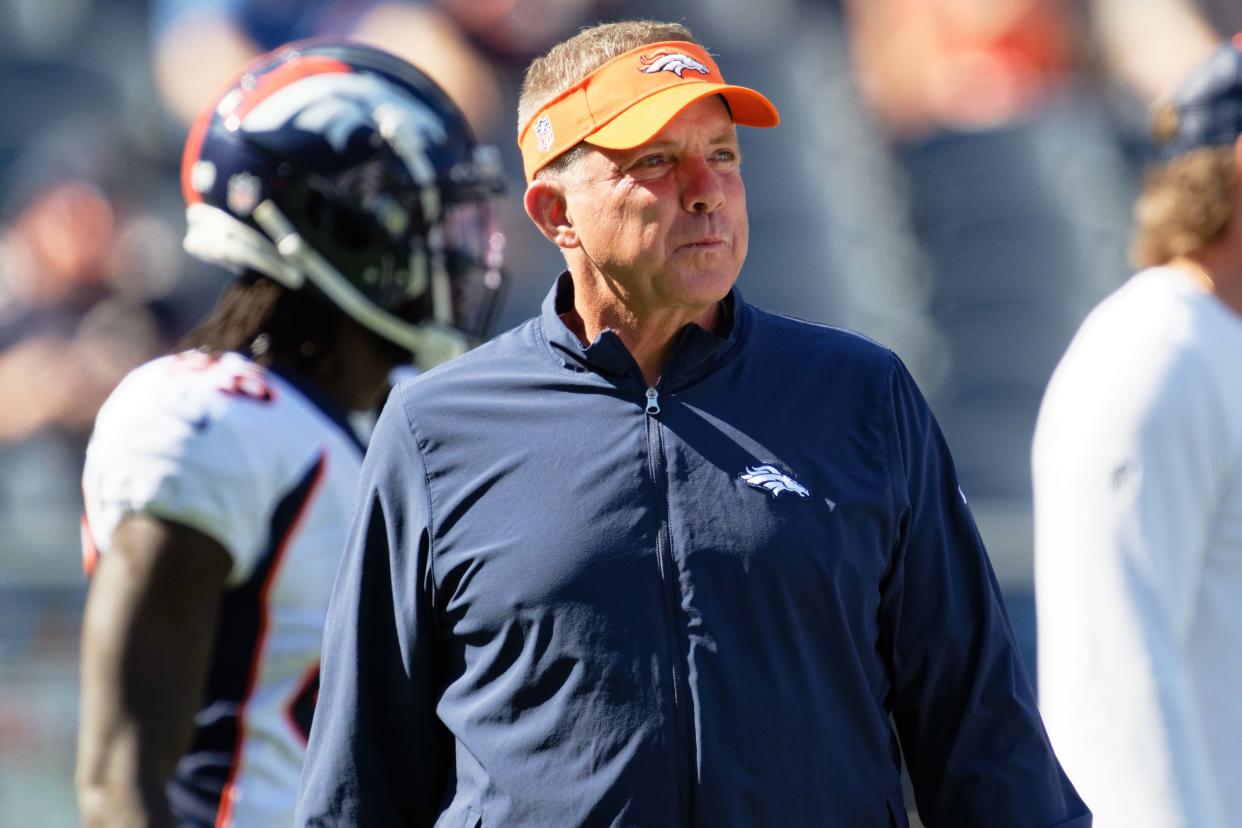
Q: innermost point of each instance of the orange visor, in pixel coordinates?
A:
(630, 98)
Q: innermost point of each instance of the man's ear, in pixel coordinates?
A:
(545, 204)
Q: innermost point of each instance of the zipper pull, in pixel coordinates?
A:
(653, 401)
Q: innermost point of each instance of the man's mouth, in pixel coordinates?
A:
(704, 243)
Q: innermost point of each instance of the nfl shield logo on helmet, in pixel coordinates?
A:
(243, 193)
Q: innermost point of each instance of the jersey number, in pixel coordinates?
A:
(249, 381)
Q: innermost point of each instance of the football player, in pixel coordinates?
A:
(347, 194)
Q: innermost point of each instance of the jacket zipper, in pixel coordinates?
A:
(672, 592)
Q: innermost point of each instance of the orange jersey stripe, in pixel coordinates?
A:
(224, 815)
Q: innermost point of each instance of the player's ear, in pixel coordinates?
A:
(547, 208)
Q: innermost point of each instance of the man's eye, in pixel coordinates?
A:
(653, 160)
(726, 155)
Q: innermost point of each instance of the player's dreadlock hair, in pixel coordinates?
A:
(273, 324)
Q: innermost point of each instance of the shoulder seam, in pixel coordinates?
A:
(431, 522)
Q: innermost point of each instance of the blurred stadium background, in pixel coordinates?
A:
(952, 177)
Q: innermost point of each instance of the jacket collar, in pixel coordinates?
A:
(696, 353)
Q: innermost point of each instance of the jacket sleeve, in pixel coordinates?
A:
(964, 709)
(377, 753)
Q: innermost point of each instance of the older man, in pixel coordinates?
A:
(658, 557)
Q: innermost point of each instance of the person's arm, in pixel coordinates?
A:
(963, 705)
(147, 638)
(1151, 46)
(378, 755)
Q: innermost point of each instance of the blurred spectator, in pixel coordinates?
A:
(200, 44)
(516, 30)
(89, 288)
(90, 271)
(1150, 46)
(68, 329)
(1015, 184)
(931, 67)
(85, 254)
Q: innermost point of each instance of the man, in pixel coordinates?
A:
(1138, 495)
(657, 557)
(346, 192)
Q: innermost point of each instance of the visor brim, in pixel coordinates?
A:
(644, 120)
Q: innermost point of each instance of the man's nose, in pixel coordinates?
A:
(701, 189)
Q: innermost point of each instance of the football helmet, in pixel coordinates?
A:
(337, 167)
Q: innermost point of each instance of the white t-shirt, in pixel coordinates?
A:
(245, 456)
(1138, 557)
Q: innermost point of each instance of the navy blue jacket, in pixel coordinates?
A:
(568, 602)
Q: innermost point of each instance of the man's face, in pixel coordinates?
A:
(664, 223)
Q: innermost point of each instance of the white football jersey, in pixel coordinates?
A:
(250, 458)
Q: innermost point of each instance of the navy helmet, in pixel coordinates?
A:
(333, 166)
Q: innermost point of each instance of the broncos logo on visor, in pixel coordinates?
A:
(772, 480)
(674, 62)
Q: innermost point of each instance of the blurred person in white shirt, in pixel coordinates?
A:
(1137, 463)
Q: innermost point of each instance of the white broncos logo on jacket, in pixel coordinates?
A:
(674, 62)
(772, 480)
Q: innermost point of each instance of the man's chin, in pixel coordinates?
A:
(705, 287)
